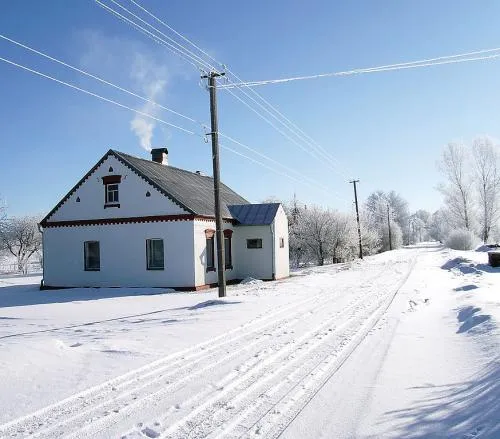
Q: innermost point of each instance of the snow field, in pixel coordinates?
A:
(108, 407)
(402, 344)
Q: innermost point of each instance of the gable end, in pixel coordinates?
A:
(45, 220)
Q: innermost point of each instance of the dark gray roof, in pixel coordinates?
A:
(192, 191)
(254, 214)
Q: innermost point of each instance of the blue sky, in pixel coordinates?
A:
(387, 129)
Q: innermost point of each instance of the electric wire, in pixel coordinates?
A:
(451, 59)
(304, 179)
(175, 50)
(68, 84)
(38, 52)
(316, 147)
(98, 78)
(172, 41)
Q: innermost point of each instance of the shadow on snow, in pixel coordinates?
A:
(24, 295)
(460, 410)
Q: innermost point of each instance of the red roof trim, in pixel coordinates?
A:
(129, 220)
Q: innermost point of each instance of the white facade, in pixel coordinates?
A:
(268, 262)
(146, 213)
(122, 255)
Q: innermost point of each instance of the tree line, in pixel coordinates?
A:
(322, 235)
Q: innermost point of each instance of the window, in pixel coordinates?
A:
(210, 254)
(112, 193)
(282, 242)
(228, 253)
(254, 243)
(111, 189)
(91, 255)
(155, 254)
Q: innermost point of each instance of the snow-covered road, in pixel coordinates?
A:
(264, 362)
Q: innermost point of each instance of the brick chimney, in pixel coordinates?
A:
(160, 155)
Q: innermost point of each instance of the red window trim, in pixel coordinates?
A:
(111, 179)
(209, 233)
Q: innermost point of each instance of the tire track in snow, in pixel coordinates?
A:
(283, 412)
(246, 390)
(59, 414)
(202, 408)
(156, 396)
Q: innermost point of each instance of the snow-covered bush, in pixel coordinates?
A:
(461, 239)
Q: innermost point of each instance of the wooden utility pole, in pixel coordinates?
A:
(389, 225)
(219, 228)
(357, 217)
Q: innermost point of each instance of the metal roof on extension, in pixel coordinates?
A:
(192, 191)
(254, 214)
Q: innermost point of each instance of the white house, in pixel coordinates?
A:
(142, 223)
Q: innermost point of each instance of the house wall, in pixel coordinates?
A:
(200, 248)
(256, 263)
(122, 254)
(281, 255)
(132, 197)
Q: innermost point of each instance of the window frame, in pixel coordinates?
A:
(114, 192)
(210, 244)
(228, 255)
(86, 260)
(258, 243)
(150, 253)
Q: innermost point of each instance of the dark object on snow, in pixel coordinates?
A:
(494, 258)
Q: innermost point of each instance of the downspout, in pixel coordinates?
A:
(273, 244)
(40, 229)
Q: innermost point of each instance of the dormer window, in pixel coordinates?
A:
(111, 190)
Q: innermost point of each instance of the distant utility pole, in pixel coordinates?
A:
(357, 217)
(389, 224)
(219, 230)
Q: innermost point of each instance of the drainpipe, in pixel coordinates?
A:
(273, 244)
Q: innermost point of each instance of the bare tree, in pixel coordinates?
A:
(487, 176)
(21, 238)
(458, 191)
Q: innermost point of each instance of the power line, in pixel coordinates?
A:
(67, 84)
(98, 78)
(182, 48)
(177, 33)
(158, 105)
(274, 161)
(313, 151)
(150, 116)
(175, 50)
(451, 59)
(295, 130)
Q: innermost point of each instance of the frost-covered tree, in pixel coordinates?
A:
(439, 227)
(297, 247)
(395, 240)
(371, 239)
(487, 178)
(343, 235)
(21, 238)
(458, 189)
(316, 230)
